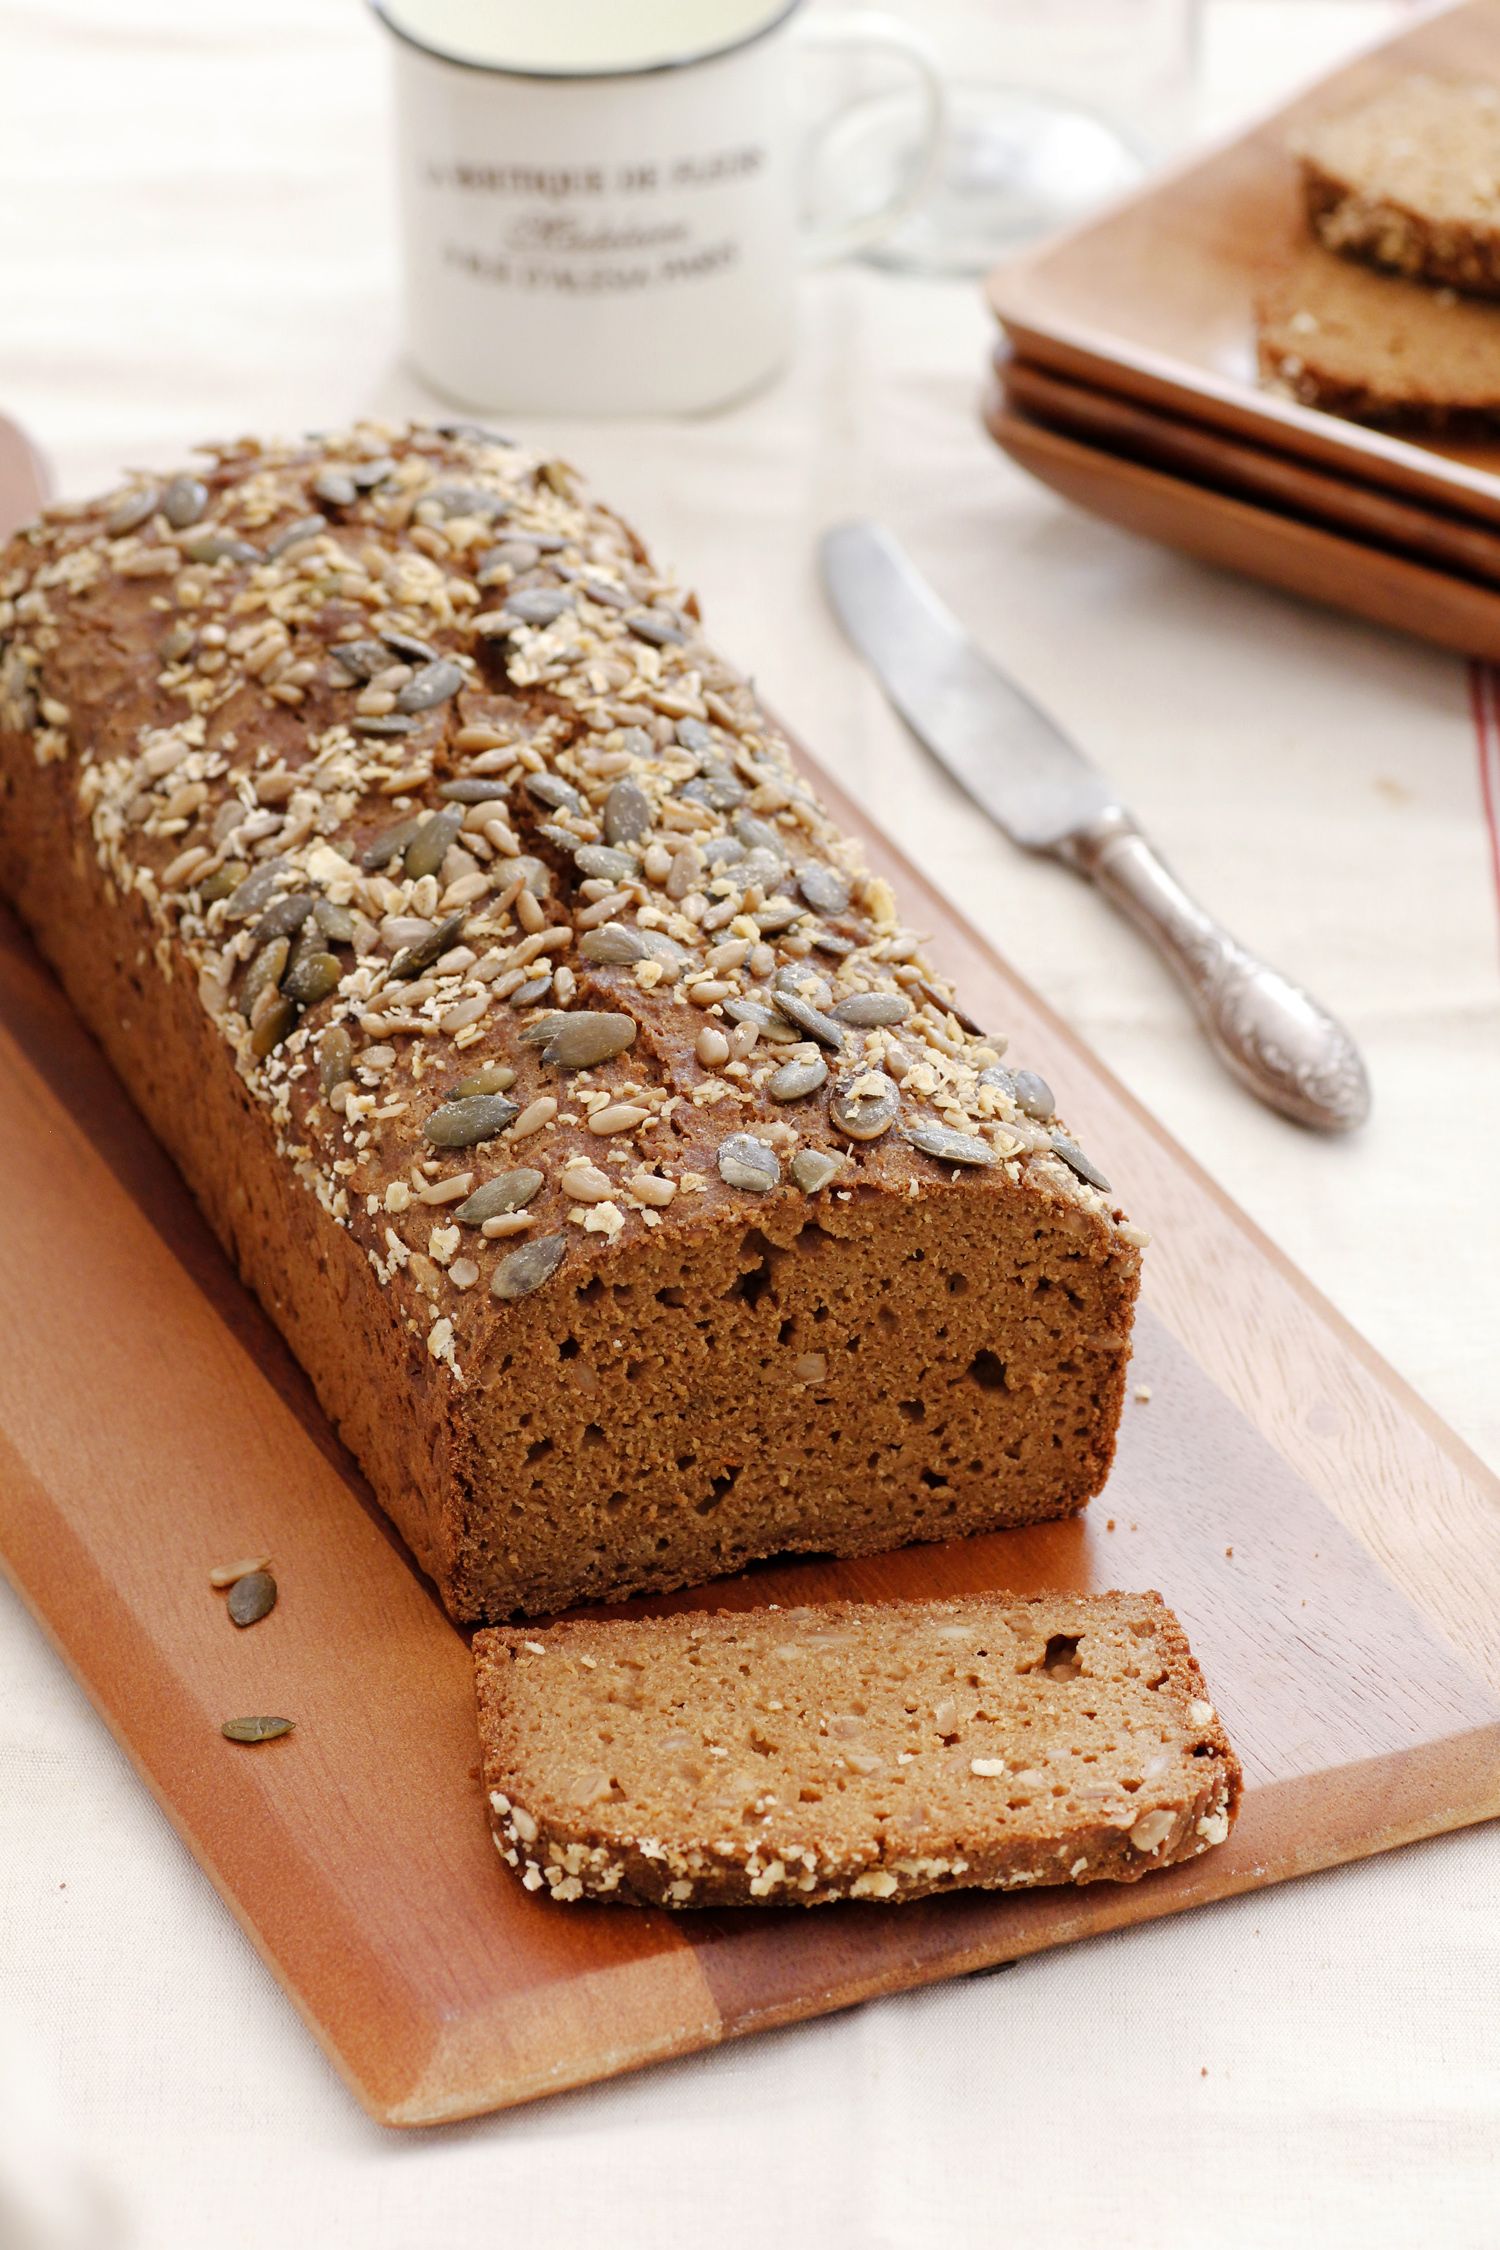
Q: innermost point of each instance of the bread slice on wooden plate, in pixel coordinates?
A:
(864, 1750)
(1411, 181)
(1375, 348)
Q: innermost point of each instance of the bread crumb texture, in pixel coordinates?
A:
(1410, 180)
(637, 1195)
(1375, 348)
(851, 1751)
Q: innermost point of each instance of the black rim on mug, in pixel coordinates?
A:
(382, 10)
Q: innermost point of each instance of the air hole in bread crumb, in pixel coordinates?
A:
(1060, 1659)
(987, 1371)
(718, 1490)
(958, 1285)
(915, 1409)
(538, 1452)
(755, 1278)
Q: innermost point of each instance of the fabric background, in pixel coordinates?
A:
(195, 239)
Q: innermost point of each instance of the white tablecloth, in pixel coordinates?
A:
(195, 239)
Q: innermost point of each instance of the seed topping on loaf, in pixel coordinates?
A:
(486, 866)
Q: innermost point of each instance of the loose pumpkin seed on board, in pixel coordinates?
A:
(252, 1597)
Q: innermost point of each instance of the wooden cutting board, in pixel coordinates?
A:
(1332, 1549)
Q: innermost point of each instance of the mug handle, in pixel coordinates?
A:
(866, 28)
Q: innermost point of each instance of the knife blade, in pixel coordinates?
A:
(1037, 785)
(999, 746)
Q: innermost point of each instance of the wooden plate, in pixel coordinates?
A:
(1333, 1551)
(1138, 432)
(1154, 298)
(1217, 527)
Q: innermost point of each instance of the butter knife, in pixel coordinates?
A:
(1018, 765)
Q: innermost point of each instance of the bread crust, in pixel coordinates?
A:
(909, 1349)
(555, 1726)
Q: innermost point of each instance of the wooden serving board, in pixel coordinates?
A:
(1332, 1550)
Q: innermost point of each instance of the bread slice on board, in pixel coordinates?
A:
(857, 1750)
(1374, 348)
(1411, 181)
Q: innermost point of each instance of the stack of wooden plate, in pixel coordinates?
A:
(1126, 380)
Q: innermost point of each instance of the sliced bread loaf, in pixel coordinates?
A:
(1375, 348)
(1411, 181)
(854, 1750)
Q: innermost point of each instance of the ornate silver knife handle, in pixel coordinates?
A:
(1269, 1032)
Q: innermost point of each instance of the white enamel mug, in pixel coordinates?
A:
(600, 198)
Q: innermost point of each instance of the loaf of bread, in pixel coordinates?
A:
(1372, 347)
(1411, 181)
(636, 1196)
(867, 1750)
